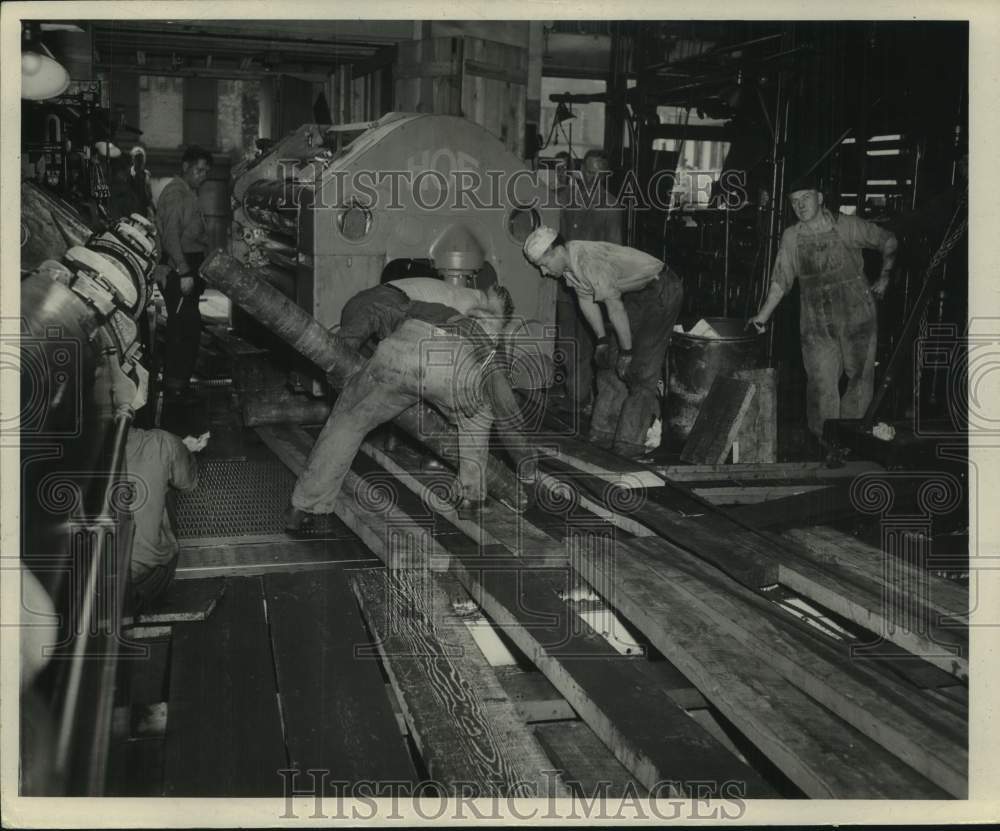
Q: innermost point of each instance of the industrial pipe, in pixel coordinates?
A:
(306, 336)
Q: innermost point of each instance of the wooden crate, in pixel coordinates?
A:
(483, 81)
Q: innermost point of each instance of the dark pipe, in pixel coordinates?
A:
(303, 333)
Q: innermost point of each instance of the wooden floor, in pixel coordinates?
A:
(651, 634)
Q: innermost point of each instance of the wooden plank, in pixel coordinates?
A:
(534, 697)
(945, 648)
(758, 435)
(719, 420)
(688, 522)
(835, 548)
(879, 707)
(587, 766)
(224, 731)
(467, 730)
(286, 555)
(138, 766)
(181, 602)
(603, 464)
(768, 472)
(336, 714)
(621, 699)
(821, 754)
(751, 495)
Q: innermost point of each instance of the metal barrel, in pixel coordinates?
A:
(695, 361)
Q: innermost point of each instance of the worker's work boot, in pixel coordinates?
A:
(470, 509)
(298, 521)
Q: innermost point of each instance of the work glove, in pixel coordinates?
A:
(624, 362)
(602, 353)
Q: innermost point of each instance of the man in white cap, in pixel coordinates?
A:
(642, 297)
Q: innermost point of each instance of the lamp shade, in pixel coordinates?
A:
(42, 77)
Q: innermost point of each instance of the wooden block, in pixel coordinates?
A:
(589, 769)
(758, 434)
(224, 731)
(336, 714)
(719, 420)
(467, 730)
(534, 697)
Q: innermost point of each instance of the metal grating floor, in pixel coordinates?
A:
(235, 498)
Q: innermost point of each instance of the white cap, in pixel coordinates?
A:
(538, 242)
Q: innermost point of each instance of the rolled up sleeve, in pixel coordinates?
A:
(783, 273)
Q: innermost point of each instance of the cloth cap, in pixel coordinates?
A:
(538, 242)
(805, 182)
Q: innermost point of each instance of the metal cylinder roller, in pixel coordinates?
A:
(274, 204)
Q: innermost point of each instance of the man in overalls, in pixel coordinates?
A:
(642, 297)
(837, 322)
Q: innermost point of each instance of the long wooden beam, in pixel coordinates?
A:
(933, 743)
(620, 699)
(863, 767)
(463, 723)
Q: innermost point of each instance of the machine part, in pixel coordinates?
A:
(132, 265)
(285, 410)
(521, 222)
(457, 252)
(235, 498)
(78, 333)
(695, 361)
(274, 205)
(49, 227)
(355, 222)
(412, 187)
(308, 337)
(99, 280)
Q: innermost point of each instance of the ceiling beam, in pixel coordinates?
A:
(365, 32)
(109, 40)
(221, 72)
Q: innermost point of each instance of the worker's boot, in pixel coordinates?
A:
(470, 509)
(298, 521)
